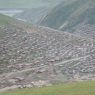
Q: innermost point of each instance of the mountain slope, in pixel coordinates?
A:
(67, 17)
(40, 56)
(33, 15)
(5, 20)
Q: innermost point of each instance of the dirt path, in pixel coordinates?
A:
(26, 70)
(56, 64)
(30, 69)
(8, 88)
(74, 59)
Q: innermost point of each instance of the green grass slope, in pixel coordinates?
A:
(9, 21)
(5, 20)
(82, 88)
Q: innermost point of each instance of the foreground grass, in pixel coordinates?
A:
(82, 88)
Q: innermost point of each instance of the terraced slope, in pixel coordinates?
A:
(83, 88)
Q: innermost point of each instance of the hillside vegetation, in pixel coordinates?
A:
(82, 88)
(5, 20)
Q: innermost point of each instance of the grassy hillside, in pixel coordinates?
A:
(73, 13)
(9, 21)
(5, 20)
(82, 88)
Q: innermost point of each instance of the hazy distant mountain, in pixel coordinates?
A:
(26, 3)
(67, 17)
(33, 15)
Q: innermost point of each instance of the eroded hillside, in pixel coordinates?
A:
(37, 56)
